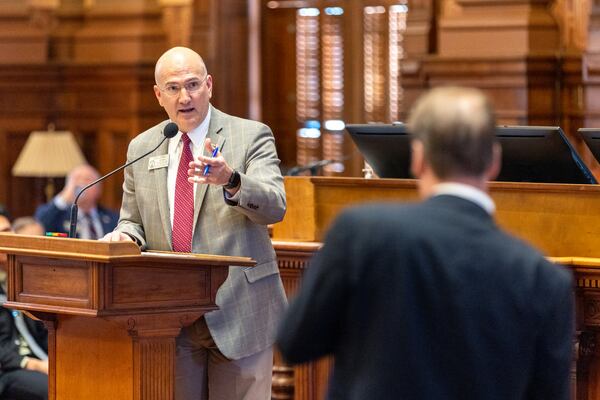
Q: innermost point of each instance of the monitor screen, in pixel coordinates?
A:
(591, 137)
(540, 154)
(529, 153)
(385, 147)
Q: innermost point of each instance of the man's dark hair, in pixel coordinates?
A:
(457, 128)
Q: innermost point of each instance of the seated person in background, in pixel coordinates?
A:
(23, 356)
(93, 220)
(23, 349)
(5, 225)
(6, 228)
(27, 226)
(433, 300)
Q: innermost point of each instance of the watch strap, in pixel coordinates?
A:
(234, 180)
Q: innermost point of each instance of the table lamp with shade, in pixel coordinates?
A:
(48, 154)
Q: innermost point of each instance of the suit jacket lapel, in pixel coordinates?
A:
(160, 179)
(214, 133)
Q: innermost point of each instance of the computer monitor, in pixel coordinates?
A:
(386, 147)
(591, 137)
(529, 153)
(540, 154)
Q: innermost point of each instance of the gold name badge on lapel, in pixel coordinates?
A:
(158, 162)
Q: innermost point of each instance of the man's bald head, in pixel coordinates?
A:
(178, 59)
(183, 87)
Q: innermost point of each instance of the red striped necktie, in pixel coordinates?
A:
(183, 220)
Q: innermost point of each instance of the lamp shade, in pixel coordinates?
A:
(48, 154)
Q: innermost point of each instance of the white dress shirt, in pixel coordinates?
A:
(466, 192)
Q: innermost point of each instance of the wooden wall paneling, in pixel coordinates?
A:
(279, 79)
(573, 18)
(147, 110)
(177, 18)
(419, 43)
(418, 40)
(496, 28)
(523, 90)
(118, 31)
(204, 32)
(354, 81)
(512, 54)
(113, 143)
(70, 18)
(230, 92)
(592, 43)
(20, 40)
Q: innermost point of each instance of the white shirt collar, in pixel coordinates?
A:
(466, 192)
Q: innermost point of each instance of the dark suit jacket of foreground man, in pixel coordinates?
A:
(433, 301)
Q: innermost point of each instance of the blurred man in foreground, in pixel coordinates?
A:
(433, 300)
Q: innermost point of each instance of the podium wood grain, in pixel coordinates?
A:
(112, 312)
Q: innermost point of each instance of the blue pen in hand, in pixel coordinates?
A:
(214, 154)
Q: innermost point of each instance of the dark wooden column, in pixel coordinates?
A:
(581, 81)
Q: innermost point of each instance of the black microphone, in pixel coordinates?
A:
(312, 167)
(169, 131)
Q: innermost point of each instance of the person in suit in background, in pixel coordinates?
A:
(23, 355)
(5, 225)
(23, 346)
(433, 300)
(93, 222)
(27, 226)
(227, 353)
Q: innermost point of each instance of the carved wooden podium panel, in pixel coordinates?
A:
(112, 312)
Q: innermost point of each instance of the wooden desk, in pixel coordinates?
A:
(561, 220)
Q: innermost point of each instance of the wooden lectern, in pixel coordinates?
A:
(112, 312)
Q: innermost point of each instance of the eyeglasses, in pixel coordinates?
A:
(173, 89)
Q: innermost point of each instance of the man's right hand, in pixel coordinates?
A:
(116, 236)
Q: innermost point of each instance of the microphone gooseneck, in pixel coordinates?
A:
(169, 131)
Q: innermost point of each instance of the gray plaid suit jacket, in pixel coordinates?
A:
(252, 300)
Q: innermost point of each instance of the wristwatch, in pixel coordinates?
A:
(234, 180)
